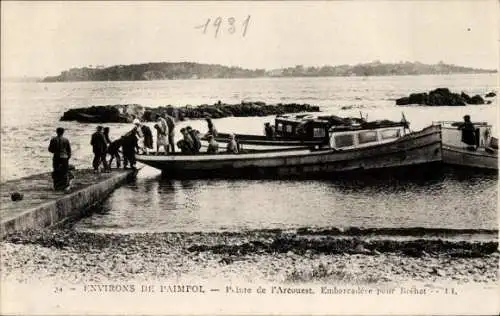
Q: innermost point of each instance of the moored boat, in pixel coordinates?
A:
(482, 155)
(353, 149)
(305, 130)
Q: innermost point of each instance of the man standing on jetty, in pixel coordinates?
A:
(99, 147)
(61, 148)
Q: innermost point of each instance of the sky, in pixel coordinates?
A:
(44, 38)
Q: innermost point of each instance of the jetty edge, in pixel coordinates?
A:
(41, 206)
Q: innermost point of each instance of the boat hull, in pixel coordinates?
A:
(418, 148)
(460, 156)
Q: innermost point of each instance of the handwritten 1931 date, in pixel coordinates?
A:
(230, 24)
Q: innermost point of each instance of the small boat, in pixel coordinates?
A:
(482, 156)
(354, 149)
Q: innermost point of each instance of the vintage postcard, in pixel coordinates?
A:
(291, 157)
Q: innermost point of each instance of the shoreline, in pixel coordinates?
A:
(88, 257)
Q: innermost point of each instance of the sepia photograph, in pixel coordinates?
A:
(249, 157)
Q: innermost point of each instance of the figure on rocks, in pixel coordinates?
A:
(99, 149)
(61, 149)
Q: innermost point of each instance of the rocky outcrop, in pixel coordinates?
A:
(125, 113)
(118, 113)
(439, 97)
(490, 94)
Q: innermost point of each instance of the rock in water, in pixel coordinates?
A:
(119, 113)
(440, 97)
(477, 99)
(490, 95)
(125, 113)
(403, 101)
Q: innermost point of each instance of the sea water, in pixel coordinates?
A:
(30, 113)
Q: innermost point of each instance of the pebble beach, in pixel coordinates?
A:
(269, 256)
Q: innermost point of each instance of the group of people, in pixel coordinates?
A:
(137, 140)
(102, 146)
(269, 130)
(165, 134)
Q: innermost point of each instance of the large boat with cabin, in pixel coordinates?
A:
(481, 155)
(306, 130)
(328, 148)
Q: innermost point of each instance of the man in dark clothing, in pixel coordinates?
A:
(269, 130)
(99, 147)
(129, 145)
(186, 144)
(195, 137)
(105, 132)
(61, 148)
(468, 132)
(113, 150)
(148, 138)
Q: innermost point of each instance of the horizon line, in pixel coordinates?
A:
(92, 66)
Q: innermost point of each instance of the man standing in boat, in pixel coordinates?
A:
(171, 132)
(161, 139)
(211, 128)
(468, 133)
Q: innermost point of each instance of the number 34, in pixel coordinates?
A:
(231, 25)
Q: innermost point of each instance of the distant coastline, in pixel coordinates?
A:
(189, 70)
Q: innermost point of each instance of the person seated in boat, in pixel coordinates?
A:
(232, 145)
(269, 130)
(161, 139)
(195, 136)
(211, 127)
(213, 146)
(468, 133)
(186, 144)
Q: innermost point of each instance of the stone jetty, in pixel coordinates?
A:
(125, 113)
(41, 206)
(441, 97)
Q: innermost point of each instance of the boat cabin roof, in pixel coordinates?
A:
(333, 122)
